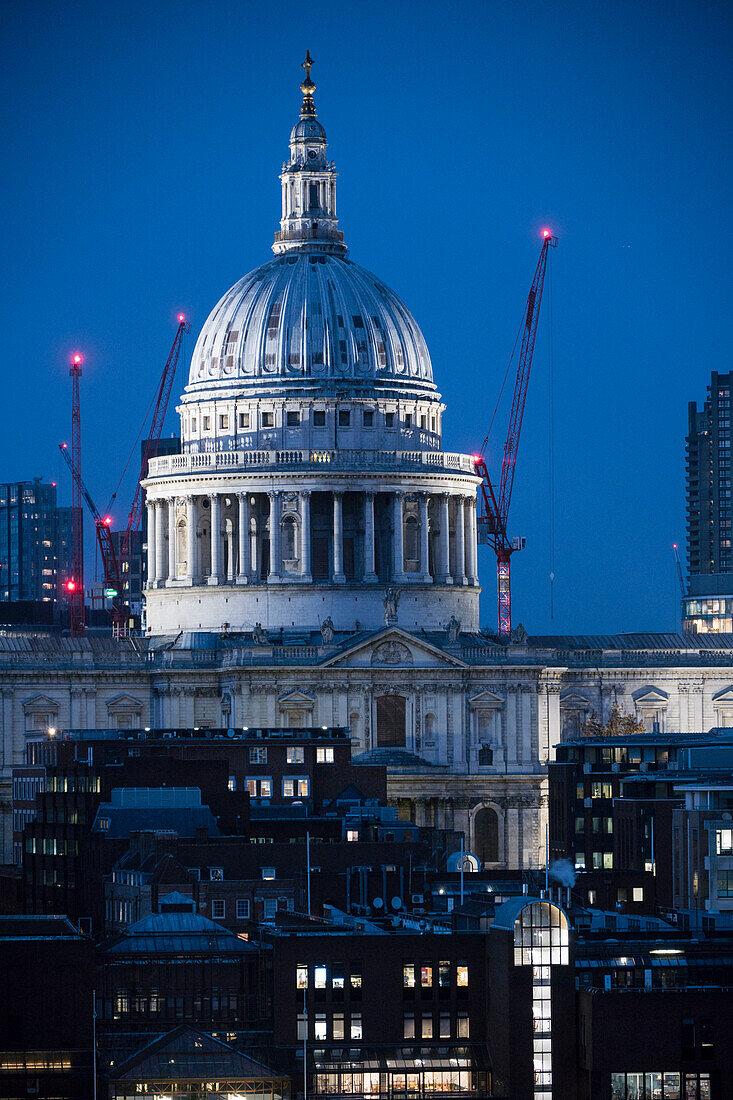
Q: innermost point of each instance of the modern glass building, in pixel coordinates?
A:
(35, 541)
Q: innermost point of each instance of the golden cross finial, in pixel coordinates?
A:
(308, 87)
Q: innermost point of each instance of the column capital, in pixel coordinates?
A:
(305, 492)
(242, 494)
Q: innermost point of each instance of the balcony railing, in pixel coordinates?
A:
(306, 459)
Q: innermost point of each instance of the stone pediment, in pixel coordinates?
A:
(124, 702)
(393, 648)
(299, 700)
(723, 697)
(485, 699)
(650, 697)
(39, 703)
(574, 700)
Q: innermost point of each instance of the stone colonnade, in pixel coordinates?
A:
(253, 536)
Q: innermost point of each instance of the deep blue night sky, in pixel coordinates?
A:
(142, 148)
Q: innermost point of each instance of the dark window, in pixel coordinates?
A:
(391, 720)
(319, 418)
(486, 832)
(358, 321)
(389, 420)
(314, 204)
(344, 418)
(408, 420)
(368, 418)
(293, 419)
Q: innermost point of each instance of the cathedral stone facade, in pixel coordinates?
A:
(312, 562)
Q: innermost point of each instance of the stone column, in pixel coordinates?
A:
(398, 553)
(151, 544)
(444, 574)
(338, 535)
(370, 573)
(215, 577)
(460, 574)
(470, 512)
(244, 546)
(190, 539)
(159, 544)
(424, 551)
(274, 573)
(171, 540)
(231, 557)
(305, 536)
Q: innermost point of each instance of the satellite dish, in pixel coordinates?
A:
(396, 903)
(378, 903)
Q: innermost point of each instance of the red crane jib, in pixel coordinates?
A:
(494, 507)
(156, 427)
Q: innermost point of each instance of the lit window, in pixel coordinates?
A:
(356, 1028)
(288, 788)
(320, 976)
(426, 977)
(268, 872)
(258, 755)
(638, 893)
(216, 874)
(320, 1026)
(462, 1031)
(462, 975)
(301, 976)
(324, 754)
(295, 754)
(427, 1025)
(338, 1030)
(408, 976)
(352, 835)
(232, 783)
(723, 840)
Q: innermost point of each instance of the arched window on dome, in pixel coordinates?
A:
(289, 539)
(181, 548)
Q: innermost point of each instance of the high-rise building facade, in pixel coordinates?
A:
(708, 605)
(35, 541)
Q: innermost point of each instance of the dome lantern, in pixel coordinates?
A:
(308, 222)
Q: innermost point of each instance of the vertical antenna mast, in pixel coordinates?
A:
(75, 586)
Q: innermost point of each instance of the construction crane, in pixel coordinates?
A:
(156, 427)
(113, 568)
(75, 583)
(112, 578)
(494, 507)
(680, 575)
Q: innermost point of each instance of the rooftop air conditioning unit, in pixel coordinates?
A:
(417, 899)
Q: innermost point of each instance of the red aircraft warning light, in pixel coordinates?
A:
(546, 233)
(71, 586)
(76, 359)
(181, 318)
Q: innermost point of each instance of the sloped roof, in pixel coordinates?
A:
(177, 934)
(188, 1054)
